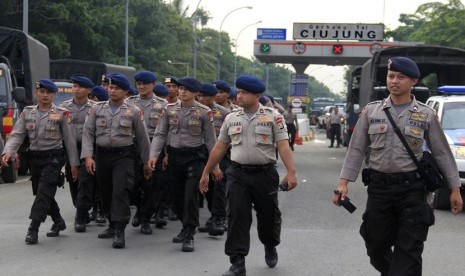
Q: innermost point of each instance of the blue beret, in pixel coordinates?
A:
(145, 76)
(133, 91)
(405, 66)
(263, 100)
(82, 81)
(160, 90)
(47, 84)
(222, 85)
(100, 93)
(250, 84)
(208, 89)
(190, 83)
(105, 78)
(171, 80)
(233, 93)
(271, 98)
(119, 80)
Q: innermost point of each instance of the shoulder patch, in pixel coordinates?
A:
(61, 108)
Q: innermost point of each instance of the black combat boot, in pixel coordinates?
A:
(145, 227)
(108, 233)
(159, 220)
(100, 217)
(172, 215)
(136, 219)
(82, 218)
(188, 243)
(217, 227)
(57, 226)
(237, 268)
(118, 238)
(271, 256)
(207, 227)
(180, 237)
(32, 232)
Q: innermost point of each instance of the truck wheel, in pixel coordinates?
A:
(9, 174)
(441, 199)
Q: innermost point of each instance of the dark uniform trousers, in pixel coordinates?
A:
(143, 194)
(216, 195)
(163, 198)
(335, 130)
(46, 176)
(291, 130)
(185, 170)
(396, 215)
(115, 177)
(249, 185)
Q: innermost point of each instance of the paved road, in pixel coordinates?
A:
(317, 237)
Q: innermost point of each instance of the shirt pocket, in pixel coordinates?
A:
(125, 126)
(153, 119)
(235, 132)
(31, 129)
(52, 131)
(263, 135)
(414, 137)
(195, 127)
(377, 134)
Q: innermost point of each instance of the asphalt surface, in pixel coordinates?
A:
(318, 238)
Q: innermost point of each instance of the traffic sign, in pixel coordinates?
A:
(271, 34)
(296, 102)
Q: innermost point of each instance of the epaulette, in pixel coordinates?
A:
(222, 108)
(375, 102)
(30, 107)
(268, 108)
(159, 98)
(61, 108)
(89, 101)
(425, 105)
(100, 103)
(171, 104)
(203, 106)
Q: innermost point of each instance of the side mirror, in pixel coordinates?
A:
(356, 108)
(19, 94)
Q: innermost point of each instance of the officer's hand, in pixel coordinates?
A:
(90, 165)
(342, 191)
(203, 184)
(147, 172)
(456, 203)
(164, 163)
(5, 159)
(291, 181)
(75, 172)
(217, 174)
(151, 163)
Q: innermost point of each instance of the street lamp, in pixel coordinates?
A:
(126, 43)
(219, 37)
(195, 38)
(180, 63)
(235, 51)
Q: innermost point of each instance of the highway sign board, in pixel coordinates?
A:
(271, 34)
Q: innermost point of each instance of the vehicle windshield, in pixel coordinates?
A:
(452, 116)
(3, 86)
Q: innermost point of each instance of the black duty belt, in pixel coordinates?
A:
(116, 150)
(252, 168)
(393, 178)
(184, 151)
(46, 153)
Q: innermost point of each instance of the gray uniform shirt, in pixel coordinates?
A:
(78, 115)
(417, 123)
(179, 130)
(115, 130)
(253, 140)
(335, 118)
(151, 110)
(45, 132)
(219, 113)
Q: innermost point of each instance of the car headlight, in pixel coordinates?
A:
(458, 151)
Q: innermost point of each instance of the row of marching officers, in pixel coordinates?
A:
(99, 142)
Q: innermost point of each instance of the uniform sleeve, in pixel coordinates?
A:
(160, 136)
(88, 135)
(17, 136)
(224, 137)
(209, 135)
(442, 154)
(143, 141)
(279, 128)
(70, 140)
(359, 143)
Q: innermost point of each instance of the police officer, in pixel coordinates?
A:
(335, 127)
(151, 107)
(222, 97)
(216, 195)
(99, 94)
(186, 128)
(172, 84)
(105, 82)
(112, 125)
(161, 90)
(253, 130)
(83, 191)
(233, 96)
(292, 126)
(397, 217)
(46, 126)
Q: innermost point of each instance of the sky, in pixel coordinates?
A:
(282, 14)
